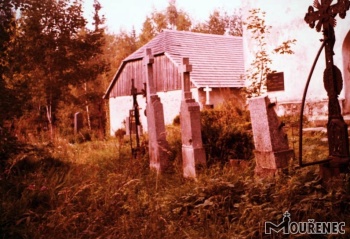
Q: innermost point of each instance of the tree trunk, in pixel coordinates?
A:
(87, 107)
(49, 119)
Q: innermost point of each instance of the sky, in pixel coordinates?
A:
(126, 14)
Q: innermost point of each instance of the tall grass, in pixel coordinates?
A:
(97, 189)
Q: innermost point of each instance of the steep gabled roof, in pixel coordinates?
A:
(217, 60)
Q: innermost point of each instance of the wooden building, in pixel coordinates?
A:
(217, 62)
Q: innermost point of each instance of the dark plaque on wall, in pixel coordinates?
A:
(275, 82)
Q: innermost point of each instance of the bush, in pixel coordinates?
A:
(8, 145)
(226, 133)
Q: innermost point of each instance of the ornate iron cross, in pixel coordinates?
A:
(337, 130)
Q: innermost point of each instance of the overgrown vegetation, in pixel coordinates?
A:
(226, 133)
(83, 187)
(97, 190)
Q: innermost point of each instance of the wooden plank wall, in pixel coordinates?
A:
(166, 76)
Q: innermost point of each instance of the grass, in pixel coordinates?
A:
(96, 190)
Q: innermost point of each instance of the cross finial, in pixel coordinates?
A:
(148, 62)
(186, 66)
(326, 13)
(185, 70)
(149, 58)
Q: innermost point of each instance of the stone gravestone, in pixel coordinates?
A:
(158, 145)
(78, 122)
(193, 154)
(271, 143)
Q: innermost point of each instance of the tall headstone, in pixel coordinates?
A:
(271, 143)
(78, 122)
(193, 154)
(158, 145)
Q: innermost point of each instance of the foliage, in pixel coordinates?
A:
(169, 18)
(221, 23)
(96, 190)
(9, 145)
(261, 64)
(226, 133)
(50, 53)
(69, 67)
(9, 106)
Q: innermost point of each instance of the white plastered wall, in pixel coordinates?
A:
(287, 21)
(119, 108)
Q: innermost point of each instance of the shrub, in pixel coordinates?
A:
(8, 145)
(226, 133)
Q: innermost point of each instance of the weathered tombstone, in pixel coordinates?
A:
(158, 146)
(193, 154)
(78, 122)
(271, 144)
(207, 98)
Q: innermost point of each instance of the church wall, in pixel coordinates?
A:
(287, 21)
(119, 108)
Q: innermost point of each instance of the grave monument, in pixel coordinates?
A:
(271, 143)
(323, 18)
(158, 145)
(78, 122)
(193, 154)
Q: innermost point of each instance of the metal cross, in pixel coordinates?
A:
(207, 91)
(326, 13)
(336, 127)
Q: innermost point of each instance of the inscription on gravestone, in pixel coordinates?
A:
(275, 82)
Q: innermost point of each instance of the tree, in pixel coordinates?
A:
(147, 32)
(221, 23)
(85, 95)
(183, 21)
(170, 18)
(53, 52)
(9, 105)
(172, 14)
(261, 65)
(234, 23)
(216, 24)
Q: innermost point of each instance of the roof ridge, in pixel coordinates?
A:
(200, 33)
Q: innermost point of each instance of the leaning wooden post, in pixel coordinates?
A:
(193, 153)
(158, 146)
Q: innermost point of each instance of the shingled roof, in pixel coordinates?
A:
(217, 60)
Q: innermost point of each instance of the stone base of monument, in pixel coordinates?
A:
(333, 169)
(210, 106)
(189, 154)
(159, 156)
(268, 163)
